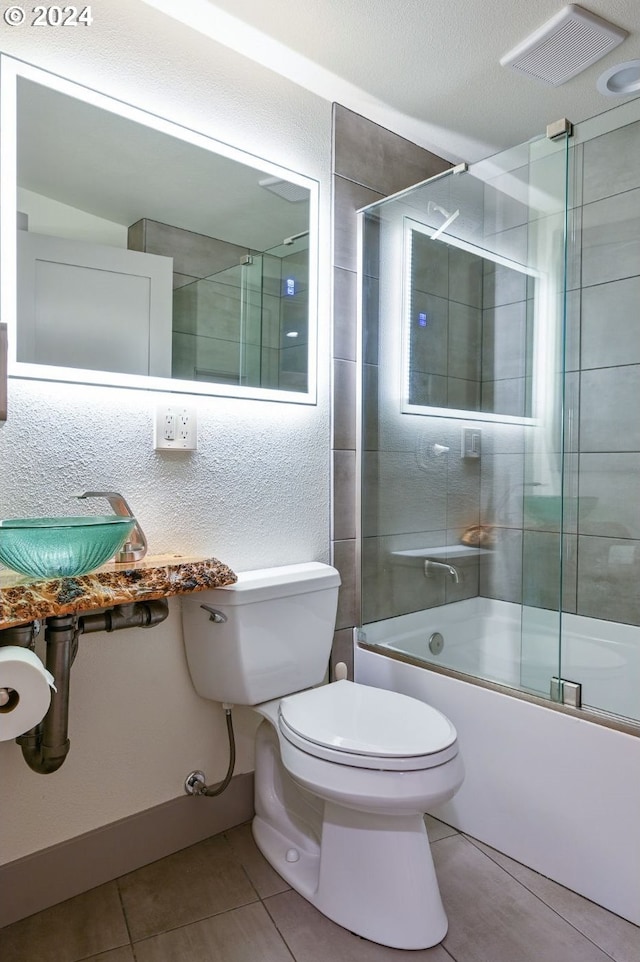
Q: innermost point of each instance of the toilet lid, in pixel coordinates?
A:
(368, 722)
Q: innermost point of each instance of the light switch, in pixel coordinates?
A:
(471, 446)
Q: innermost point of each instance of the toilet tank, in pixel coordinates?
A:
(272, 635)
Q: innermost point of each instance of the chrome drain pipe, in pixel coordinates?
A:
(46, 746)
(138, 614)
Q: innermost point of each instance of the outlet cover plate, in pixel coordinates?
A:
(175, 428)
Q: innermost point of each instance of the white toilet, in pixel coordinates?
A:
(344, 772)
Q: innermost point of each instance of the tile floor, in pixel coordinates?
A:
(219, 901)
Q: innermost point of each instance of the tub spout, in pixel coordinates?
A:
(432, 566)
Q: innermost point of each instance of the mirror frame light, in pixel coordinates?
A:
(411, 226)
(11, 70)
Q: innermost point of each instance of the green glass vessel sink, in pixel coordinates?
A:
(61, 547)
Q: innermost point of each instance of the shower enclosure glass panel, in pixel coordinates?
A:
(600, 642)
(463, 321)
(247, 324)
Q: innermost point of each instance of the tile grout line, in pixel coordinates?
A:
(542, 901)
(126, 920)
(238, 860)
(275, 924)
(290, 889)
(185, 925)
(445, 949)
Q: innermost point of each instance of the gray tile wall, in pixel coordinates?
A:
(413, 499)
(207, 283)
(446, 286)
(600, 548)
(370, 162)
(608, 461)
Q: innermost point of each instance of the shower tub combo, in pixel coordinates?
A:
(484, 638)
(488, 412)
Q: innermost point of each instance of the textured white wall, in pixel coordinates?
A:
(47, 216)
(255, 493)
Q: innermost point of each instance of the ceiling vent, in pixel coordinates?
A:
(565, 46)
(285, 188)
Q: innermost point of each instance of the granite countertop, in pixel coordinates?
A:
(26, 599)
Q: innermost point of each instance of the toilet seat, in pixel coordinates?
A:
(365, 727)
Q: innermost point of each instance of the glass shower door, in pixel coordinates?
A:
(216, 326)
(600, 638)
(249, 323)
(462, 403)
(548, 495)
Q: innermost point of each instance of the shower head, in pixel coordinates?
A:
(433, 208)
(450, 219)
(294, 237)
(467, 216)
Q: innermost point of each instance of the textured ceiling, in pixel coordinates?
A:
(430, 66)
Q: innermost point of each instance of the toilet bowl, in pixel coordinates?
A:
(344, 772)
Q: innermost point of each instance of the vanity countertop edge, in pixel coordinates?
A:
(27, 599)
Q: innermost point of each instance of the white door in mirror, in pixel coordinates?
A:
(175, 428)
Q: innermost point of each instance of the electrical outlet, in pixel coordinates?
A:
(169, 427)
(184, 425)
(175, 429)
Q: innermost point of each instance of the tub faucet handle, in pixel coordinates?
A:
(431, 566)
(136, 548)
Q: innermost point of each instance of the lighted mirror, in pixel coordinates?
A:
(139, 253)
(468, 328)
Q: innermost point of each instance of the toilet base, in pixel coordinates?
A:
(378, 884)
(373, 874)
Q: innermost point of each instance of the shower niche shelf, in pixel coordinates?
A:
(450, 552)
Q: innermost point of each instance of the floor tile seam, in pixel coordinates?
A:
(258, 897)
(124, 911)
(451, 834)
(238, 859)
(184, 925)
(275, 924)
(87, 958)
(449, 952)
(114, 948)
(543, 902)
(111, 948)
(273, 895)
(283, 937)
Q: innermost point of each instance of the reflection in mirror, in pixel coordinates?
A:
(468, 327)
(147, 252)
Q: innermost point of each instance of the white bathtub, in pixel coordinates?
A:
(518, 646)
(555, 792)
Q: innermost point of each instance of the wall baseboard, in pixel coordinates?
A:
(55, 874)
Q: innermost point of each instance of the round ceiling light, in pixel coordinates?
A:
(621, 80)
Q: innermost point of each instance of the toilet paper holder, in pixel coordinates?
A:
(46, 746)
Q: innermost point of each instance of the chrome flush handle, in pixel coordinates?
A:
(214, 615)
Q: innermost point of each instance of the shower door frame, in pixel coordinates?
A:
(603, 718)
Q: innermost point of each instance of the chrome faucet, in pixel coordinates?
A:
(431, 566)
(136, 548)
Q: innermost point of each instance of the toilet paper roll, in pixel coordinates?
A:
(25, 691)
